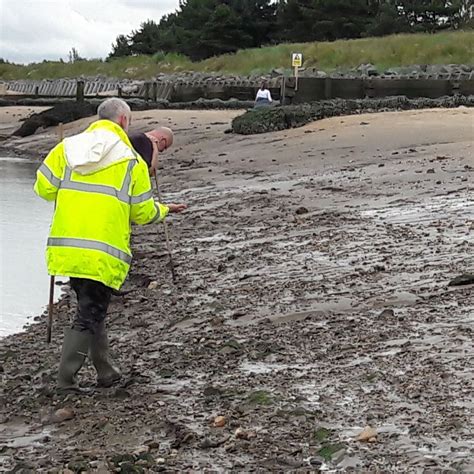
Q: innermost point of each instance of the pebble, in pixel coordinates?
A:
(219, 421)
(367, 434)
(301, 210)
(62, 414)
(240, 433)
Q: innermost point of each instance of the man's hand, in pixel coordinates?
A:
(176, 208)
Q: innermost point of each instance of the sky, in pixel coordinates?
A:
(33, 30)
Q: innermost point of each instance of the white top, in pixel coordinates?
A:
(264, 94)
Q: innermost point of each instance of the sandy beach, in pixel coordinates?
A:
(312, 301)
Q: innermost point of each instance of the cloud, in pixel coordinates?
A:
(33, 30)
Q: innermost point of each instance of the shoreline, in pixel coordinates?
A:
(264, 120)
(312, 300)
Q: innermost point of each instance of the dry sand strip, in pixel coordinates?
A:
(312, 301)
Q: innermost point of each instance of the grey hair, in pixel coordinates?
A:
(112, 109)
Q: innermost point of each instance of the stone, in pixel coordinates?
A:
(367, 434)
(301, 210)
(153, 285)
(464, 279)
(62, 414)
(219, 421)
(61, 113)
(153, 444)
(367, 69)
(141, 450)
(240, 433)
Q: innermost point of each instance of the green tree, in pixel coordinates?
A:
(146, 39)
(203, 28)
(294, 22)
(387, 21)
(430, 15)
(324, 20)
(121, 47)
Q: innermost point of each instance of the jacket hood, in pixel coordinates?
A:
(95, 149)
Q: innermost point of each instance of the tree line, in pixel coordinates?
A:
(203, 28)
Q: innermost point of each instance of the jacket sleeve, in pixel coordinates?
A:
(49, 174)
(144, 210)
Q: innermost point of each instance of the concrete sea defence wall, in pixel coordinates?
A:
(362, 82)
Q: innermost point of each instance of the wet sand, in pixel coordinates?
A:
(312, 300)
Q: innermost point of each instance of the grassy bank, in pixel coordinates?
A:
(391, 51)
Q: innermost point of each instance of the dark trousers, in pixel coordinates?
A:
(93, 299)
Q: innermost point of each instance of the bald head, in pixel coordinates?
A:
(163, 137)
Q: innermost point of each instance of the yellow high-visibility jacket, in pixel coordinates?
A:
(101, 186)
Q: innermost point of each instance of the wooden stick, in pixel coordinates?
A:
(165, 227)
(52, 278)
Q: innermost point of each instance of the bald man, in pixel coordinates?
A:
(162, 139)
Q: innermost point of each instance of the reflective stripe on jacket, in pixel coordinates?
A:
(101, 186)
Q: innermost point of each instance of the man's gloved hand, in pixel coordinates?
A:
(176, 208)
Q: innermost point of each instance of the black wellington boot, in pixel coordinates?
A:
(107, 373)
(74, 352)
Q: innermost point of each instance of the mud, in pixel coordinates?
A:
(300, 327)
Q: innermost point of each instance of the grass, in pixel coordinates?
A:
(329, 450)
(453, 47)
(321, 434)
(259, 397)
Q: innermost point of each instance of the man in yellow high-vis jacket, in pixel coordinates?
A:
(101, 186)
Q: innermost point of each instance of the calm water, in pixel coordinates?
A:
(24, 224)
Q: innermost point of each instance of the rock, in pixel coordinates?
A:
(301, 210)
(231, 347)
(240, 433)
(153, 285)
(430, 171)
(62, 414)
(219, 421)
(278, 72)
(153, 444)
(270, 119)
(61, 113)
(387, 313)
(367, 70)
(367, 434)
(140, 450)
(464, 279)
(79, 465)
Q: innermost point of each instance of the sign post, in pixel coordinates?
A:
(296, 62)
